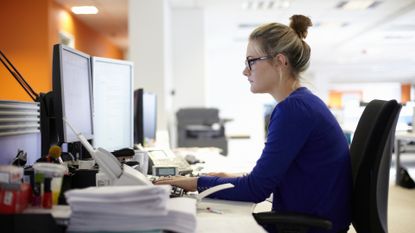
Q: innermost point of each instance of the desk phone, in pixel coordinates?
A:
(166, 158)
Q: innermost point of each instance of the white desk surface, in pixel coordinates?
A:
(215, 162)
(234, 216)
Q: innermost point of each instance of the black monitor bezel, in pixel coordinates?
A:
(139, 111)
(138, 119)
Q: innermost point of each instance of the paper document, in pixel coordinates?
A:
(124, 200)
(132, 208)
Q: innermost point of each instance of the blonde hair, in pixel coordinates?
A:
(274, 38)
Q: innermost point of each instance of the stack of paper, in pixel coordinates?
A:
(130, 208)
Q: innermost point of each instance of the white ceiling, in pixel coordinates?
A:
(347, 45)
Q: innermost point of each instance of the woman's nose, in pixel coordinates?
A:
(245, 71)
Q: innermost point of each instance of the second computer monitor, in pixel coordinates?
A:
(145, 117)
(113, 103)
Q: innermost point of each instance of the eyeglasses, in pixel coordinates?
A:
(249, 62)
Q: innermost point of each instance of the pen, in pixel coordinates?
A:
(214, 210)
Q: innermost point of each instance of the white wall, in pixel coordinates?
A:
(226, 87)
(188, 58)
(149, 49)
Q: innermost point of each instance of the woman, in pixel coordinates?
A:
(305, 162)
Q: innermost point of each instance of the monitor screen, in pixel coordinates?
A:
(145, 117)
(72, 87)
(113, 103)
(149, 116)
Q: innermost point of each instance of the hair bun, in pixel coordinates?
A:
(300, 24)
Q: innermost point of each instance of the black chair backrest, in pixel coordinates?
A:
(371, 151)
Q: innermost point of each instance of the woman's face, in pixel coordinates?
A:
(263, 75)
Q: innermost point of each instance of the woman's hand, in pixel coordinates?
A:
(184, 182)
(225, 174)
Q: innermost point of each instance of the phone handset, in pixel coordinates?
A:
(121, 174)
(212, 190)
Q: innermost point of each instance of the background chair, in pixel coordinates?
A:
(201, 127)
(370, 151)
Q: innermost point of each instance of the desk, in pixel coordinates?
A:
(399, 138)
(61, 213)
(236, 217)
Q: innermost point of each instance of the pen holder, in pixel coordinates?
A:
(48, 182)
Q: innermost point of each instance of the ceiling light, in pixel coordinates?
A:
(260, 4)
(245, 5)
(285, 4)
(330, 24)
(265, 4)
(271, 4)
(84, 10)
(356, 4)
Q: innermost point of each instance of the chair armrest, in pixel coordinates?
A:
(291, 220)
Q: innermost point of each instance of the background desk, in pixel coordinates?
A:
(401, 137)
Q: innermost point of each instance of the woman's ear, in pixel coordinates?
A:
(282, 60)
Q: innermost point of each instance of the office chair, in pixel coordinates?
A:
(370, 151)
(201, 127)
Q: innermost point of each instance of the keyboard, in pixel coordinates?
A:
(176, 192)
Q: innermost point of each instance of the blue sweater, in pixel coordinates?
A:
(305, 163)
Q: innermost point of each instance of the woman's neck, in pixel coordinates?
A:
(286, 89)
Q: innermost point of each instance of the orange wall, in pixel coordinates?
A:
(335, 99)
(86, 39)
(405, 92)
(24, 40)
(29, 29)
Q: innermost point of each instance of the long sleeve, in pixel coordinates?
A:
(290, 126)
(305, 164)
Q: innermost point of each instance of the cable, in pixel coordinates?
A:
(19, 78)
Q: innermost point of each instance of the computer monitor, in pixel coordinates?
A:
(72, 89)
(145, 117)
(113, 103)
(149, 116)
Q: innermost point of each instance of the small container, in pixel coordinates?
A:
(51, 175)
(47, 194)
(56, 185)
(37, 189)
(142, 158)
